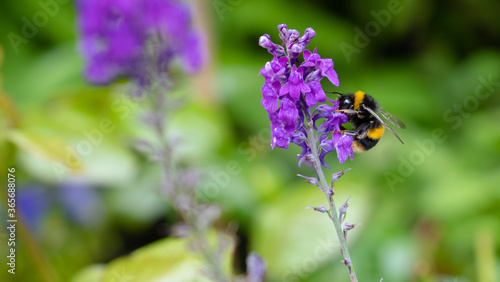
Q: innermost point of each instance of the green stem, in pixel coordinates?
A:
(174, 191)
(329, 196)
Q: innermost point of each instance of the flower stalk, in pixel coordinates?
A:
(183, 198)
(141, 40)
(329, 192)
(293, 97)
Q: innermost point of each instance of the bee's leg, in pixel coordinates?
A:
(363, 130)
(347, 132)
(360, 114)
(362, 134)
(359, 134)
(347, 111)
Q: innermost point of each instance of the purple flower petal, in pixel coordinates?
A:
(274, 70)
(306, 55)
(344, 148)
(319, 94)
(326, 146)
(293, 36)
(295, 84)
(283, 33)
(341, 143)
(279, 138)
(309, 34)
(285, 89)
(326, 67)
(310, 59)
(333, 122)
(269, 98)
(310, 99)
(288, 113)
(273, 48)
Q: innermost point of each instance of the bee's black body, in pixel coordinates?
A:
(368, 128)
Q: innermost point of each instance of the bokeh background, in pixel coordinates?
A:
(428, 208)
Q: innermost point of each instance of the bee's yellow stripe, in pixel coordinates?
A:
(358, 99)
(376, 133)
(356, 147)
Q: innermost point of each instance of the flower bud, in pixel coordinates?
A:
(321, 209)
(310, 180)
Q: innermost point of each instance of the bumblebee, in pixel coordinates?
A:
(363, 112)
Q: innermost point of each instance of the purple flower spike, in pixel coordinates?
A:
(291, 91)
(114, 36)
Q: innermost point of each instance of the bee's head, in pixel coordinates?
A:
(346, 102)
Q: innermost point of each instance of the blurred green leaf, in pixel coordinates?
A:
(164, 260)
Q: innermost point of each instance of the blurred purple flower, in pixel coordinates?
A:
(256, 268)
(82, 203)
(114, 35)
(33, 203)
(292, 88)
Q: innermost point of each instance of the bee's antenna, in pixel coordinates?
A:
(339, 94)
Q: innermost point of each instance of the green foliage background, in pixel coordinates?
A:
(428, 208)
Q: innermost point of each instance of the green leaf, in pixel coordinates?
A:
(168, 259)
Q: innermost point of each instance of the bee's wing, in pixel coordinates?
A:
(394, 120)
(382, 121)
